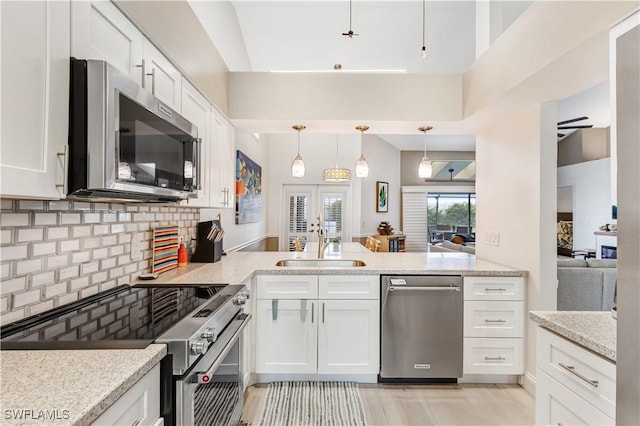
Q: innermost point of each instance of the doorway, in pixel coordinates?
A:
(302, 205)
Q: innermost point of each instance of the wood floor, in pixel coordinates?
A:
(467, 404)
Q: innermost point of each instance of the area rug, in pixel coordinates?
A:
(312, 403)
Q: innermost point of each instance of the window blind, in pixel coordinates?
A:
(414, 220)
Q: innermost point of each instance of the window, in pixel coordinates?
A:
(450, 214)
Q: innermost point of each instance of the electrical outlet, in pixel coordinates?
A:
(492, 238)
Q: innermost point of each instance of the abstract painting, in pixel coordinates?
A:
(248, 190)
(382, 196)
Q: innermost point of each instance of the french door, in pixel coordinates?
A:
(304, 203)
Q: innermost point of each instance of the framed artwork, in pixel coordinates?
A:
(382, 197)
(248, 190)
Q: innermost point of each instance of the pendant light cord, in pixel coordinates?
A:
(423, 19)
(349, 15)
(298, 142)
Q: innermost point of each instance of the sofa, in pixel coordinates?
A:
(586, 284)
(448, 246)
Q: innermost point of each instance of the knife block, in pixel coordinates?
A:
(207, 251)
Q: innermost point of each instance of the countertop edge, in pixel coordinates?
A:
(573, 335)
(104, 402)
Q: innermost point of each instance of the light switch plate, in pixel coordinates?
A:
(492, 238)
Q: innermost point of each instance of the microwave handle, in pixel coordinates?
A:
(197, 149)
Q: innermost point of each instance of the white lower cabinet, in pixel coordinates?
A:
(140, 405)
(317, 336)
(493, 325)
(573, 385)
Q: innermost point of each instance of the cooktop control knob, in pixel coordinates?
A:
(198, 347)
(209, 334)
(240, 300)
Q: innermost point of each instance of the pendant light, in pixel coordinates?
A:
(425, 169)
(297, 166)
(423, 51)
(336, 174)
(362, 167)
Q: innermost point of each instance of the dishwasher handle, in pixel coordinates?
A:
(426, 288)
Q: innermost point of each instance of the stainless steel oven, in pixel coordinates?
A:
(210, 393)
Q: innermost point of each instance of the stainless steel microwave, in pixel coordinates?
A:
(125, 144)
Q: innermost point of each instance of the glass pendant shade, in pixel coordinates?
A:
(362, 167)
(297, 166)
(425, 169)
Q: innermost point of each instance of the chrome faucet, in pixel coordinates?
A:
(322, 237)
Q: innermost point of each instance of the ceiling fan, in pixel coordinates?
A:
(350, 33)
(562, 125)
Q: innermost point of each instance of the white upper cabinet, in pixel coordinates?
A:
(34, 84)
(100, 31)
(162, 78)
(197, 109)
(223, 161)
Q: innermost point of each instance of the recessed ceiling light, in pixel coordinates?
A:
(337, 67)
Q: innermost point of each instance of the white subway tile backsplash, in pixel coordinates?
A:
(88, 292)
(100, 230)
(130, 268)
(89, 268)
(12, 316)
(81, 205)
(90, 243)
(45, 219)
(117, 229)
(108, 285)
(124, 217)
(80, 257)
(68, 298)
(100, 206)
(69, 245)
(13, 252)
(109, 240)
(124, 259)
(26, 235)
(98, 278)
(13, 286)
(45, 278)
(6, 204)
(6, 236)
(55, 290)
(109, 217)
(28, 266)
(30, 205)
(79, 283)
(69, 218)
(42, 249)
(100, 253)
(131, 227)
(59, 205)
(4, 304)
(57, 261)
(92, 218)
(26, 298)
(116, 272)
(14, 219)
(107, 263)
(117, 207)
(116, 251)
(41, 307)
(142, 217)
(56, 233)
(5, 270)
(123, 280)
(81, 231)
(66, 273)
(124, 238)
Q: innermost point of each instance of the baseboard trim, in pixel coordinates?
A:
(490, 378)
(529, 383)
(359, 378)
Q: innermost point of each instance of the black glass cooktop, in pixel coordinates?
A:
(124, 317)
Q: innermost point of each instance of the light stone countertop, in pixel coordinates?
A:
(236, 267)
(82, 382)
(593, 330)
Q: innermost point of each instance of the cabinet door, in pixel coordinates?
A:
(348, 337)
(34, 82)
(286, 336)
(223, 162)
(197, 109)
(162, 79)
(349, 287)
(100, 31)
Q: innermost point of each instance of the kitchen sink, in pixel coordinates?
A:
(321, 263)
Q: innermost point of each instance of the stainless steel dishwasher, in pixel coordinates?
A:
(421, 330)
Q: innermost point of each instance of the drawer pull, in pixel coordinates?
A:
(494, 358)
(136, 423)
(560, 424)
(495, 289)
(571, 369)
(498, 320)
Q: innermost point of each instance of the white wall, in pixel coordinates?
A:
(384, 165)
(237, 236)
(516, 196)
(591, 182)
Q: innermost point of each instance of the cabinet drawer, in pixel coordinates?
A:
(493, 288)
(557, 405)
(361, 287)
(492, 356)
(493, 319)
(578, 369)
(287, 287)
(139, 405)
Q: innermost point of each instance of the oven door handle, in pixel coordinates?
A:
(197, 377)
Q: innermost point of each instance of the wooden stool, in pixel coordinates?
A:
(297, 246)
